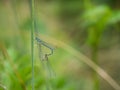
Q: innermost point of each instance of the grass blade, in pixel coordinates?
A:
(84, 59)
(32, 40)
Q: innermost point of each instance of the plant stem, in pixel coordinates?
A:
(6, 55)
(95, 60)
(32, 41)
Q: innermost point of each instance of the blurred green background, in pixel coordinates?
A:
(91, 27)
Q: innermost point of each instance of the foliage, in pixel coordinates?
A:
(78, 20)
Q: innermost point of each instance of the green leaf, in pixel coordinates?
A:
(96, 15)
(115, 17)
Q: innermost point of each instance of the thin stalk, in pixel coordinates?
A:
(94, 48)
(95, 60)
(3, 87)
(6, 55)
(32, 41)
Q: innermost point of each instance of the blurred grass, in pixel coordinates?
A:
(71, 74)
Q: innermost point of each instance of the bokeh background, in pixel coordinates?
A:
(91, 27)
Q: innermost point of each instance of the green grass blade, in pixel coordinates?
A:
(32, 41)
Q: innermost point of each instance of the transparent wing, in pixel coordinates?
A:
(44, 56)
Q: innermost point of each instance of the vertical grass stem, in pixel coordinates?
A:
(32, 41)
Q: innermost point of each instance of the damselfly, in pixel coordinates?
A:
(44, 56)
